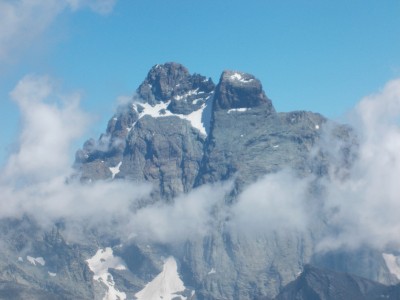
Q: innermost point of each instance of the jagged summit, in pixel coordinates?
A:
(240, 90)
(184, 93)
(237, 77)
(172, 82)
(162, 81)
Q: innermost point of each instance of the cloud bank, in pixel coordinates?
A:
(366, 205)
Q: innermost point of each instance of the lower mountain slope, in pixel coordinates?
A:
(319, 284)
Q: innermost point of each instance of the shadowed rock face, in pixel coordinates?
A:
(320, 284)
(240, 90)
(62, 274)
(163, 81)
(15, 291)
(172, 82)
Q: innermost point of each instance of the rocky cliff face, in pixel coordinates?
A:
(181, 132)
(321, 284)
(37, 266)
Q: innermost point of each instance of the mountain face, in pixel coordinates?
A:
(182, 132)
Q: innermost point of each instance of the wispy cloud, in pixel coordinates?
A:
(50, 123)
(275, 202)
(191, 215)
(34, 179)
(23, 21)
(367, 203)
(98, 6)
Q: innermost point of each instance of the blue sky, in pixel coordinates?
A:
(321, 56)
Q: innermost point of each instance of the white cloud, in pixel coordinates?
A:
(275, 202)
(99, 6)
(34, 179)
(190, 215)
(23, 21)
(367, 203)
(50, 123)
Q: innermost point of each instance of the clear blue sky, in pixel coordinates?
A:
(316, 55)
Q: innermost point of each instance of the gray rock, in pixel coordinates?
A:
(169, 82)
(240, 90)
(61, 269)
(322, 284)
(164, 151)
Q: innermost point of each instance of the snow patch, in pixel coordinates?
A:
(212, 271)
(275, 146)
(392, 263)
(165, 285)
(188, 94)
(242, 109)
(194, 102)
(52, 274)
(153, 111)
(99, 264)
(36, 260)
(239, 77)
(20, 259)
(115, 170)
(199, 119)
(317, 127)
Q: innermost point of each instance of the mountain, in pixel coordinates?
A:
(187, 136)
(210, 133)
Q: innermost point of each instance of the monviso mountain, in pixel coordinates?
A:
(179, 133)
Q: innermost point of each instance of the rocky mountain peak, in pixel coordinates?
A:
(240, 90)
(172, 82)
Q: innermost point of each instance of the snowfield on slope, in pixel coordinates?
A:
(392, 263)
(199, 119)
(99, 264)
(165, 285)
(115, 170)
